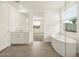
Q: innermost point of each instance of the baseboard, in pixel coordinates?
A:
(19, 44)
(4, 49)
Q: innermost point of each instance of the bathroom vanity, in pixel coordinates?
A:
(19, 37)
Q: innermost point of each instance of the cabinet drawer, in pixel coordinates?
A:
(19, 37)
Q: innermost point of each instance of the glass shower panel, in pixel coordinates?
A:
(70, 28)
(62, 32)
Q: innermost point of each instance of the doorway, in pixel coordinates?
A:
(38, 27)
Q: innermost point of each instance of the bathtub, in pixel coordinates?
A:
(64, 48)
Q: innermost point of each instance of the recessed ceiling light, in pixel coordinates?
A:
(21, 6)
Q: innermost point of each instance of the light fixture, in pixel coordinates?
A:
(21, 6)
(22, 9)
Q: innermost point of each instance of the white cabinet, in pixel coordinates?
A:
(19, 37)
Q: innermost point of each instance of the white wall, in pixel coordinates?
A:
(4, 26)
(51, 24)
(18, 21)
(12, 13)
(30, 27)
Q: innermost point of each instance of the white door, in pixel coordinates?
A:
(4, 34)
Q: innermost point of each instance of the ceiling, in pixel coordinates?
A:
(39, 5)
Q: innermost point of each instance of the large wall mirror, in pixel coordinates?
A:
(71, 19)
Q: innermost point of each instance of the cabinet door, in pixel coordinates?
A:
(4, 34)
(18, 37)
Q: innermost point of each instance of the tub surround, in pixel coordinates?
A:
(64, 47)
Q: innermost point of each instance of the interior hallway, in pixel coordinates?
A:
(36, 49)
(38, 37)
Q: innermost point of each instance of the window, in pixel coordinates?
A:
(70, 19)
